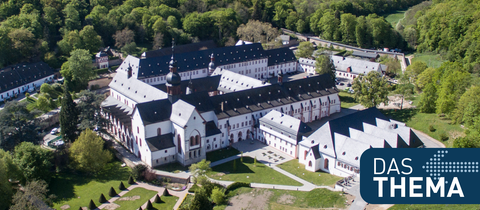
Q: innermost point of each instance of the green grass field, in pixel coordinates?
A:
(318, 178)
(168, 202)
(144, 194)
(422, 121)
(394, 17)
(256, 174)
(188, 200)
(435, 207)
(347, 100)
(431, 59)
(221, 154)
(76, 190)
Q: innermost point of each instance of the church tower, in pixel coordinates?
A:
(211, 65)
(173, 79)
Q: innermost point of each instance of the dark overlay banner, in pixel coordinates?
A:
(420, 176)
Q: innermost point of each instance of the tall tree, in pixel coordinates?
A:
(123, 37)
(371, 89)
(68, 118)
(88, 154)
(324, 65)
(348, 24)
(468, 107)
(90, 39)
(78, 69)
(17, 125)
(90, 110)
(32, 197)
(23, 41)
(305, 50)
(428, 98)
(5, 186)
(33, 161)
(201, 201)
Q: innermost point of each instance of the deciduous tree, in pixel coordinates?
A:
(89, 110)
(33, 162)
(88, 154)
(123, 37)
(78, 69)
(324, 65)
(305, 50)
(17, 125)
(371, 89)
(32, 197)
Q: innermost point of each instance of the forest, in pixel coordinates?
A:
(50, 29)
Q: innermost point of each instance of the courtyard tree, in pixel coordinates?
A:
(68, 118)
(324, 65)
(90, 110)
(17, 125)
(78, 70)
(200, 200)
(404, 88)
(201, 168)
(87, 153)
(33, 196)
(218, 196)
(371, 89)
(305, 50)
(33, 162)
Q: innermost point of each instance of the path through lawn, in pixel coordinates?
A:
(135, 198)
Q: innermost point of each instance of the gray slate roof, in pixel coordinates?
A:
(357, 66)
(365, 54)
(21, 74)
(231, 82)
(135, 89)
(161, 142)
(283, 123)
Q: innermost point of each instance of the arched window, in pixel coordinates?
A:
(197, 140)
(159, 131)
(192, 141)
(136, 139)
(309, 163)
(325, 164)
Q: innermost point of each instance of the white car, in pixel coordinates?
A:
(54, 131)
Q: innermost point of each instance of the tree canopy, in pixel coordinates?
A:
(33, 162)
(305, 50)
(324, 65)
(87, 153)
(371, 89)
(17, 125)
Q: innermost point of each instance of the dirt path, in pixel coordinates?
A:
(255, 200)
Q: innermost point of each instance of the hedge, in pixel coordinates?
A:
(236, 185)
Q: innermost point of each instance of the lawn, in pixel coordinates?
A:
(394, 17)
(76, 190)
(168, 202)
(347, 100)
(172, 167)
(144, 194)
(318, 178)
(187, 201)
(317, 198)
(422, 121)
(256, 174)
(297, 200)
(435, 207)
(431, 59)
(221, 154)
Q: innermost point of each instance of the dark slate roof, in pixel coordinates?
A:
(121, 114)
(155, 111)
(210, 44)
(156, 66)
(160, 142)
(365, 54)
(280, 55)
(247, 101)
(341, 125)
(199, 85)
(211, 129)
(316, 152)
(21, 74)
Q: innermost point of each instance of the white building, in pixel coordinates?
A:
(345, 67)
(283, 132)
(19, 78)
(101, 58)
(180, 121)
(337, 146)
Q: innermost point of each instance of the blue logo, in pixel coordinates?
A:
(420, 176)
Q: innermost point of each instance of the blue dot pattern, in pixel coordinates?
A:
(436, 167)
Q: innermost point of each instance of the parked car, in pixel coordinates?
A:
(341, 84)
(349, 85)
(54, 131)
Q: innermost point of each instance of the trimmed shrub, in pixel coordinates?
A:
(443, 137)
(149, 205)
(112, 192)
(121, 186)
(102, 199)
(193, 189)
(236, 185)
(166, 193)
(80, 208)
(157, 199)
(130, 180)
(431, 128)
(138, 172)
(140, 208)
(27, 94)
(91, 205)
